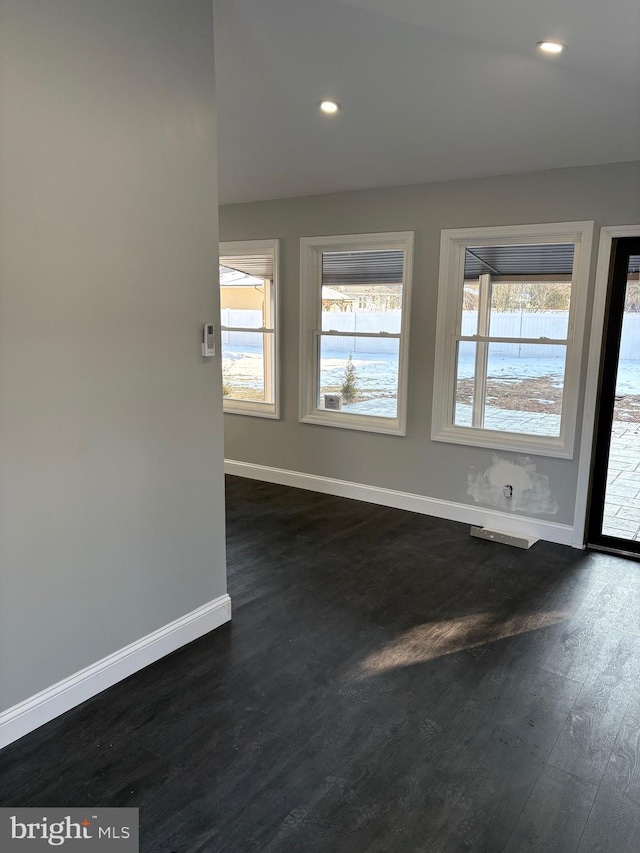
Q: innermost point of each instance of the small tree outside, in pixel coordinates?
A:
(349, 387)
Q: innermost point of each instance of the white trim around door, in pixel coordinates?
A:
(607, 236)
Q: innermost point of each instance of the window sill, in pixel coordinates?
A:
(386, 426)
(253, 410)
(496, 440)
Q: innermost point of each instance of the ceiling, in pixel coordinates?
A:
(430, 90)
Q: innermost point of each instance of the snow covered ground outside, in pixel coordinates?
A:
(509, 370)
(377, 380)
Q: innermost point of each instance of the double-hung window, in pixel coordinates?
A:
(511, 315)
(355, 297)
(249, 314)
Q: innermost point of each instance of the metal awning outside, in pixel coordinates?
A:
(260, 266)
(544, 259)
(368, 267)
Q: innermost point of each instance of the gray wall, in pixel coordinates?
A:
(608, 194)
(111, 425)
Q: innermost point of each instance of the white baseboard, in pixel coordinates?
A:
(66, 694)
(550, 531)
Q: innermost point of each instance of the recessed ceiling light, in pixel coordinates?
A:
(551, 46)
(329, 107)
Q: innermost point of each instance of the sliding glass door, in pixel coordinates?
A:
(614, 518)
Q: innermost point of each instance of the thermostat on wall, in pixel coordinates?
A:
(208, 340)
(333, 402)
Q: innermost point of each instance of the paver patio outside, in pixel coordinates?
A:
(622, 496)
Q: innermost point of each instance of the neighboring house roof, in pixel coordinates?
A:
(235, 278)
(331, 295)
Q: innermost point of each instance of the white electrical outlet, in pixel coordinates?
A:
(507, 491)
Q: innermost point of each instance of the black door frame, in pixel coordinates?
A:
(621, 250)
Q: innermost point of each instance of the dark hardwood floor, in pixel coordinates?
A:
(388, 684)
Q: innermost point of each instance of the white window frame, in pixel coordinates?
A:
(256, 408)
(448, 332)
(311, 250)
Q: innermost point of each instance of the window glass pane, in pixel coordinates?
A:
(362, 291)
(470, 302)
(622, 495)
(245, 300)
(523, 391)
(247, 366)
(524, 388)
(529, 309)
(465, 370)
(362, 372)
